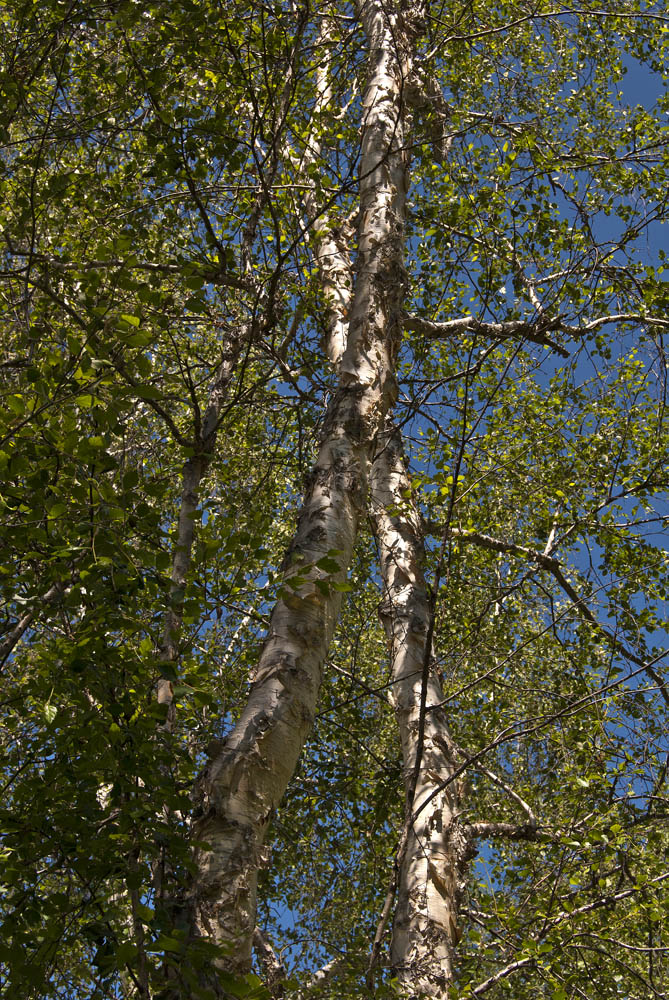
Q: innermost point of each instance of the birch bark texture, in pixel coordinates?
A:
(331, 244)
(434, 848)
(244, 782)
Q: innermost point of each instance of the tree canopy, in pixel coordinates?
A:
(334, 466)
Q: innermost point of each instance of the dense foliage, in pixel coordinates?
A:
(167, 171)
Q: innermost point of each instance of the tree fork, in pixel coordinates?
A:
(243, 784)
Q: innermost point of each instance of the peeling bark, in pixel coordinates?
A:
(272, 964)
(435, 848)
(330, 243)
(244, 783)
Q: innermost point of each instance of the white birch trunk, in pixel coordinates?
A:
(435, 850)
(330, 245)
(244, 783)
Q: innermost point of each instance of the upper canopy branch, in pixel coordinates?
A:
(517, 329)
(511, 330)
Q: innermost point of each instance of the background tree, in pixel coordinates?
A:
(221, 310)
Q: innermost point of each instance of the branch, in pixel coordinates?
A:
(153, 403)
(482, 540)
(517, 329)
(564, 915)
(623, 944)
(216, 276)
(484, 830)
(327, 972)
(579, 603)
(275, 971)
(603, 901)
(514, 329)
(13, 637)
(192, 474)
(563, 11)
(387, 906)
(272, 965)
(502, 974)
(532, 819)
(594, 324)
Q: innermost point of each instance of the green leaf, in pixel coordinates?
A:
(328, 564)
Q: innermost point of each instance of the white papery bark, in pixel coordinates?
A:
(244, 783)
(435, 850)
(331, 243)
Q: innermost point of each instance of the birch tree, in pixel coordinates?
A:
(334, 463)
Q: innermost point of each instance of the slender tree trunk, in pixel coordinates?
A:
(331, 244)
(206, 433)
(194, 469)
(244, 783)
(434, 849)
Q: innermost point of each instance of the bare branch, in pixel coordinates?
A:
(501, 974)
(14, 637)
(271, 963)
(515, 329)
